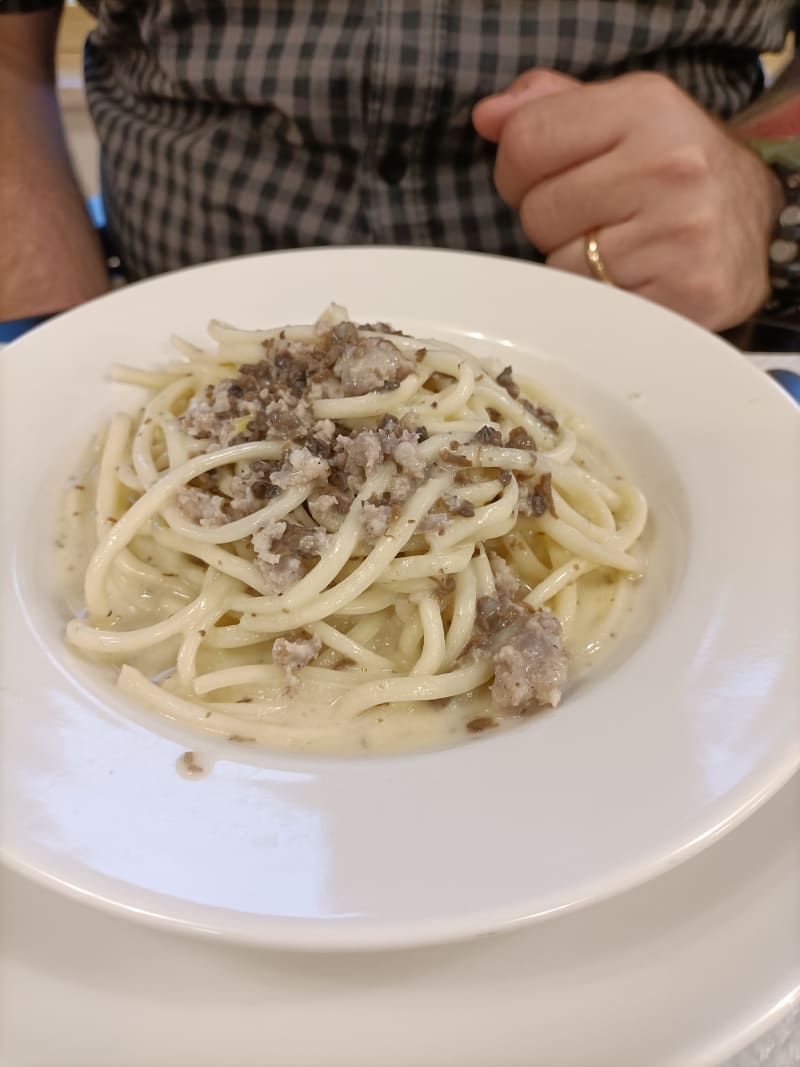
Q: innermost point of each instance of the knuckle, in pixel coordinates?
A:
(515, 156)
(522, 140)
(541, 217)
(688, 164)
(655, 89)
(700, 228)
(533, 128)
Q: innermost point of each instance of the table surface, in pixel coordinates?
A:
(778, 1047)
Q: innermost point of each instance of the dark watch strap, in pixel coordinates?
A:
(784, 249)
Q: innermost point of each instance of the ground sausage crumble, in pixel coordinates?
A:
(273, 400)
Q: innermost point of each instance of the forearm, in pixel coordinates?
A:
(50, 257)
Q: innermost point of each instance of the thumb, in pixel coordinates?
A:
(490, 115)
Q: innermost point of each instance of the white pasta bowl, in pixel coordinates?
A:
(668, 744)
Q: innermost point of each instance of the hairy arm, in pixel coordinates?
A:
(50, 257)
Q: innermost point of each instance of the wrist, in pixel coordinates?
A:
(783, 158)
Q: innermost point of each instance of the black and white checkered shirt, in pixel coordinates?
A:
(238, 126)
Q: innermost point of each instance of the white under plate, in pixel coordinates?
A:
(641, 766)
(681, 972)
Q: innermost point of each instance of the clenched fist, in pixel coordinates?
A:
(683, 210)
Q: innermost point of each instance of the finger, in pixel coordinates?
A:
(703, 302)
(635, 253)
(654, 266)
(617, 246)
(603, 192)
(703, 289)
(545, 137)
(490, 114)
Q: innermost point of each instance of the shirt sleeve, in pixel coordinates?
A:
(17, 7)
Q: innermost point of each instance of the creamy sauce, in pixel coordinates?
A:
(303, 722)
(306, 717)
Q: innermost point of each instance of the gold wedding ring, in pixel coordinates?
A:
(597, 267)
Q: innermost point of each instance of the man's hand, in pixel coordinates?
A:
(684, 211)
